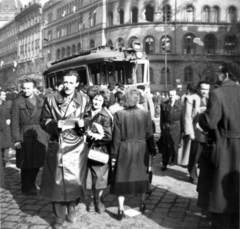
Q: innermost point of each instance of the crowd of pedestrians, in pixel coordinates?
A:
(86, 139)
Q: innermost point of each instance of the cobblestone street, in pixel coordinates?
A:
(172, 204)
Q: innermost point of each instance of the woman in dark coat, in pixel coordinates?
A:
(98, 173)
(132, 142)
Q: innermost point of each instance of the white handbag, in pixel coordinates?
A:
(98, 156)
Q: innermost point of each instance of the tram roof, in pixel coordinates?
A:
(86, 57)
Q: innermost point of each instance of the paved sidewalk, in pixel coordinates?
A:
(172, 204)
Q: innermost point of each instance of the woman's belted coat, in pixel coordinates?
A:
(65, 168)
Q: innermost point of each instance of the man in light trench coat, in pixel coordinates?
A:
(65, 169)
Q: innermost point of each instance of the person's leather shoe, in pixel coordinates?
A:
(57, 226)
(191, 180)
(164, 168)
(32, 192)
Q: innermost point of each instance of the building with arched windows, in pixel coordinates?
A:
(192, 36)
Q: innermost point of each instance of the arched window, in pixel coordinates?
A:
(149, 44)
(188, 75)
(109, 43)
(189, 13)
(166, 12)
(68, 51)
(188, 46)
(110, 19)
(149, 13)
(163, 78)
(210, 44)
(79, 47)
(134, 15)
(92, 43)
(63, 52)
(231, 14)
(120, 43)
(151, 76)
(165, 44)
(73, 49)
(230, 44)
(121, 16)
(215, 14)
(92, 16)
(206, 14)
(131, 39)
(58, 54)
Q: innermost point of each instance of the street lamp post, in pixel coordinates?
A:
(165, 38)
(164, 13)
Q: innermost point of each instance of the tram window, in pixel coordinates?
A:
(129, 75)
(50, 80)
(59, 76)
(139, 69)
(82, 72)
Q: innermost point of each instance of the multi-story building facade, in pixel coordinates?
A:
(8, 10)
(30, 58)
(21, 46)
(8, 52)
(184, 40)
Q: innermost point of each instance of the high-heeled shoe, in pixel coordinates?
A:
(121, 214)
(143, 208)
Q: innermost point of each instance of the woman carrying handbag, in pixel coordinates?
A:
(98, 127)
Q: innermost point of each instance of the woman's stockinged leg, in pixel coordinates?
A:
(121, 214)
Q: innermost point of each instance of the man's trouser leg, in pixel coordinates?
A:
(34, 173)
(26, 180)
(195, 152)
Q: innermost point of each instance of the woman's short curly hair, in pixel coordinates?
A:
(131, 97)
(95, 90)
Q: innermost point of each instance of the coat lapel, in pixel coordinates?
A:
(74, 106)
(39, 104)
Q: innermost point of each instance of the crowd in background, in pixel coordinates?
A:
(199, 130)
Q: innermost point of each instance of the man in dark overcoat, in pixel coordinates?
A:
(6, 142)
(29, 139)
(222, 115)
(171, 127)
(65, 168)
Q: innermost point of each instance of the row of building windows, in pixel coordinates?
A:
(188, 76)
(9, 31)
(9, 47)
(9, 58)
(26, 48)
(230, 44)
(74, 49)
(70, 8)
(28, 22)
(209, 14)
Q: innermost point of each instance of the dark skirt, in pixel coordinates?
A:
(97, 176)
(131, 171)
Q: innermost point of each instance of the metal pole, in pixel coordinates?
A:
(165, 56)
